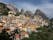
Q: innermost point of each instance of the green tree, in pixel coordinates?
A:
(41, 34)
(4, 35)
(25, 39)
(3, 9)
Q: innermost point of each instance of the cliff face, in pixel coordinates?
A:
(41, 18)
(40, 13)
(11, 7)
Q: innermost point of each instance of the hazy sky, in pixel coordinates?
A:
(45, 5)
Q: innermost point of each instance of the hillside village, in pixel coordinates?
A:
(25, 21)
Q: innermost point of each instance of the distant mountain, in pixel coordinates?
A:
(40, 13)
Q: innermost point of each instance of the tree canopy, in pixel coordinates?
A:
(3, 9)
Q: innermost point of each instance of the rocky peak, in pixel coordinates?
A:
(40, 13)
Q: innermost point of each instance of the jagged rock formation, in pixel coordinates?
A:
(29, 14)
(12, 8)
(40, 13)
(41, 18)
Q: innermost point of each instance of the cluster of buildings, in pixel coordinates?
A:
(24, 23)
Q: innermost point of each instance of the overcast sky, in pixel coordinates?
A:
(45, 5)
